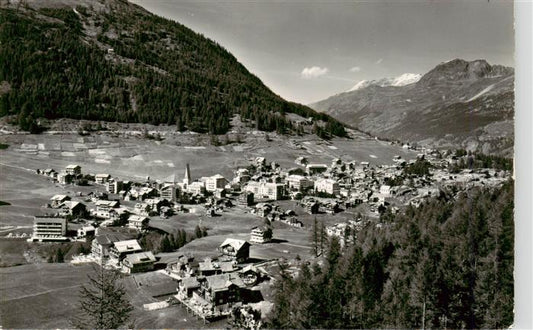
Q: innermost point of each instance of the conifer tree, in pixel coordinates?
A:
(102, 303)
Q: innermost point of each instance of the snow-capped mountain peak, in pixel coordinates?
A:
(406, 79)
(403, 80)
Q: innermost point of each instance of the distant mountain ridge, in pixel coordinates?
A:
(403, 80)
(112, 60)
(457, 104)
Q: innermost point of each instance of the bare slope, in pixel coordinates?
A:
(457, 104)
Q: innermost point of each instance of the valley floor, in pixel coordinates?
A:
(35, 294)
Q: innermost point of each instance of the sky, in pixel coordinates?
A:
(306, 51)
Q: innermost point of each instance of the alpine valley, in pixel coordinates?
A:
(457, 104)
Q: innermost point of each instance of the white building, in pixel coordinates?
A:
(168, 192)
(270, 190)
(260, 235)
(138, 262)
(73, 169)
(215, 182)
(49, 229)
(298, 182)
(120, 249)
(102, 178)
(196, 188)
(114, 186)
(64, 178)
(385, 190)
(328, 186)
(106, 205)
(138, 222)
(86, 231)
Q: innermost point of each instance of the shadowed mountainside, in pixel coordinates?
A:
(114, 61)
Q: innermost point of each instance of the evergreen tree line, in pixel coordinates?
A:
(473, 160)
(446, 264)
(156, 242)
(419, 168)
(175, 76)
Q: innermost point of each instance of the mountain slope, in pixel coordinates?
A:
(114, 61)
(456, 104)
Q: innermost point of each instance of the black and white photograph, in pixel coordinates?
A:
(250, 164)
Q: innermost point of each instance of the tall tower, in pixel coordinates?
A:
(187, 177)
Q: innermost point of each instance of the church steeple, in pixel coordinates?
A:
(187, 177)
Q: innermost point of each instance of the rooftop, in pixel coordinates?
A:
(237, 244)
(140, 258)
(129, 245)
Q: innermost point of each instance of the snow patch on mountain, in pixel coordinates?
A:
(403, 80)
(485, 91)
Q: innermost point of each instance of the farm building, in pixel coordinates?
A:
(209, 267)
(220, 291)
(249, 275)
(65, 178)
(73, 208)
(187, 286)
(236, 249)
(58, 200)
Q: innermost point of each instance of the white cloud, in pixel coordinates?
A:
(313, 72)
(355, 69)
(379, 61)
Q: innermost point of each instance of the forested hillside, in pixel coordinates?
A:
(447, 264)
(114, 61)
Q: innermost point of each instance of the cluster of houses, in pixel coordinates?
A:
(319, 188)
(345, 231)
(214, 286)
(120, 250)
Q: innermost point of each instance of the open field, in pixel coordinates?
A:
(12, 252)
(39, 295)
(133, 157)
(234, 220)
(45, 295)
(27, 192)
(288, 243)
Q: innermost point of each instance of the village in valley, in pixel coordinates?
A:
(244, 225)
(257, 165)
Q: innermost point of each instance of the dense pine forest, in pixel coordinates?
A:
(117, 62)
(446, 264)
